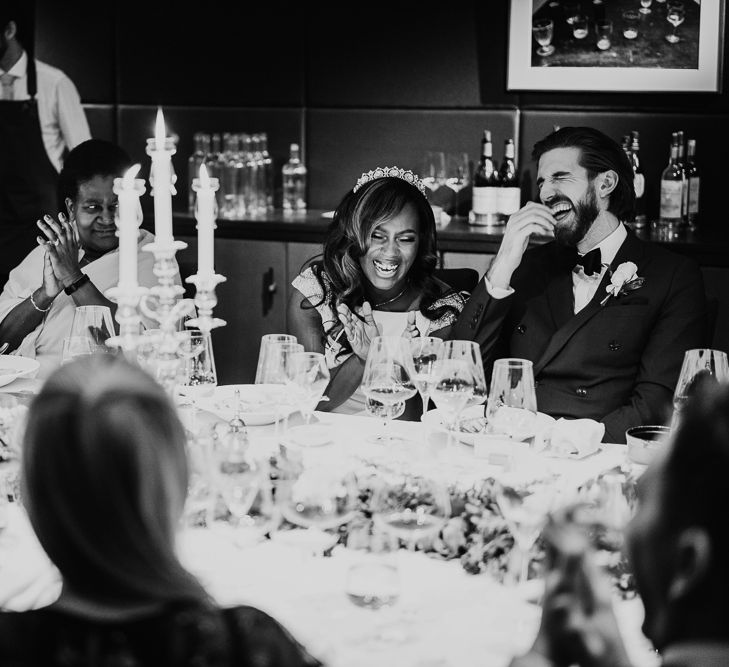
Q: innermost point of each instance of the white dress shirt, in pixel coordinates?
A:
(62, 118)
(583, 287)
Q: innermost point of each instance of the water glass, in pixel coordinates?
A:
(263, 354)
(579, 27)
(75, 346)
(645, 6)
(307, 375)
(631, 21)
(675, 15)
(96, 324)
(197, 376)
(699, 366)
(604, 30)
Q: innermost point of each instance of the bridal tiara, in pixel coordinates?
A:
(392, 172)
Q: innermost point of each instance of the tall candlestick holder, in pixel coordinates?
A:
(205, 300)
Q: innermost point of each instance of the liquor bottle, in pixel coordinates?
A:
(232, 177)
(671, 189)
(509, 195)
(294, 183)
(215, 163)
(682, 164)
(694, 181)
(267, 171)
(485, 186)
(201, 143)
(638, 180)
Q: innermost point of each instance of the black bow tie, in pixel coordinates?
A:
(591, 262)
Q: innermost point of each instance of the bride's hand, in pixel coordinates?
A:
(411, 330)
(359, 332)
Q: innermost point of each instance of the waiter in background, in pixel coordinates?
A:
(41, 118)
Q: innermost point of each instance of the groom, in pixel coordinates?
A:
(614, 359)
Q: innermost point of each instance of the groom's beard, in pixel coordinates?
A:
(585, 213)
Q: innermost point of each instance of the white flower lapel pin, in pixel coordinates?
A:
(623, 280)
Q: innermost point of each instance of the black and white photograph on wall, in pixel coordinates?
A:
(622, 45)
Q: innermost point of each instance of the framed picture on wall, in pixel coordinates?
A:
(616, 45)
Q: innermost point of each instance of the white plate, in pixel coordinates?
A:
(259, 403)
(473, 417)
(310, 435)
(13, 367)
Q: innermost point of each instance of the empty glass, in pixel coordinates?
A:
(645, 6)
(433, 173)
(94, 323)
(675, 14)
(699, 366)
(579, 26)
(75, 346)
(458, 175)
(308, 376)
(262, 355)
(197, 375)
(631, 21)
(543, 31)
(604, 30)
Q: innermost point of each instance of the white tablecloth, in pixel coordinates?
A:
(443, 617)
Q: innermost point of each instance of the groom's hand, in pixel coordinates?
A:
(532, 218)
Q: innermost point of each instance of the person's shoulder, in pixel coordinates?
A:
(312, 282)
(49, 72)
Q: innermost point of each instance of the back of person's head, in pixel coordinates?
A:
(358, 213)
(105, 480)
(598, 153)
(94, 157)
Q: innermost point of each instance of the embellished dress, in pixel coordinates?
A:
(390, 324)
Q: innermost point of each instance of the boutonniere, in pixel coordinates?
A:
(623, 280)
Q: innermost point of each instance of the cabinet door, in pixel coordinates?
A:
(252, 301)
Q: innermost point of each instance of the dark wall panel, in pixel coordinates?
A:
(229, 55)
(712, 148)
(343, 144)
(78, 38)
(102, 121)
(136, 124)
(401, 55)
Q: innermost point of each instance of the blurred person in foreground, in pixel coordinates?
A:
(76, 259)
(105, 476)
(41, 119)
(376, 278)
(678, 545)
(613, 356)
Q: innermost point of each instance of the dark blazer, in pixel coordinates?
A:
(616, 363)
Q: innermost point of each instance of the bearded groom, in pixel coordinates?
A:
(604, 317)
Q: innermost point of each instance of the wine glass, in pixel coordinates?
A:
(388, 380)
(433, 174)
(201, 487)
(579, 26)
(308, 376)
(699, 366)
(470, 352)
(525, 505)
(410, 505)
(631, 21)
(263, 354)
(458, 174)
(75, 346)
(645, 6)
(425, 351)
(196, 375)
(453, 387)
(96, 324)
(511, 409)
(319, 499)
(675, 14)
(604, 30)
(543, 31)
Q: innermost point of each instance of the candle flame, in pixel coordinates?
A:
(204, 178)
(130, 175)
(160, 134)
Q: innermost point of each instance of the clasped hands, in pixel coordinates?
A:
(60, 262)
(360, 327)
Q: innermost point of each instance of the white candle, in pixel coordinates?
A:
(128, 189)
(205, 214)
(161, 149)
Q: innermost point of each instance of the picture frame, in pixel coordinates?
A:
(644, 60)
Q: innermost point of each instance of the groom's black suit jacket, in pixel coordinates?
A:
(616, 363)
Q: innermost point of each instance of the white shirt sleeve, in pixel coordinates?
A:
(497, 292)
(71, 115)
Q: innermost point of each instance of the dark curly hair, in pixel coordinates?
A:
(339, 272)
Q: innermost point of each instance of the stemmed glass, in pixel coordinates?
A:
(675, 15)
(388, 379)
(196, 375)
(470, 352)
(410, 505)
(307, 376)
(425, 351)
(511, 410)
(543, 31)
(320, 499)
(454, 386)
(273, 364)
(645, 6)
(434, 172)
(699, 366)
(525, 505)
(458, 174)
(263, 356)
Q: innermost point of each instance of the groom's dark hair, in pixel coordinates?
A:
(598, 153)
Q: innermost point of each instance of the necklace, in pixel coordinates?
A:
(394, 298)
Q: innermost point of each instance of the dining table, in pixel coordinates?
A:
(444, 615)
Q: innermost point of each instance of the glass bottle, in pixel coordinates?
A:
(215, 162)
(267, 171)
(260, 175)
(201, 143)
(694, 182)
(485, 186)
(294, 183)
(232, 176)
(682, 164)
(509, 195)
(672, 189)
(250, 194)
(638, 180)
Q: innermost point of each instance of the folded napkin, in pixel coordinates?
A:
(574, 438)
